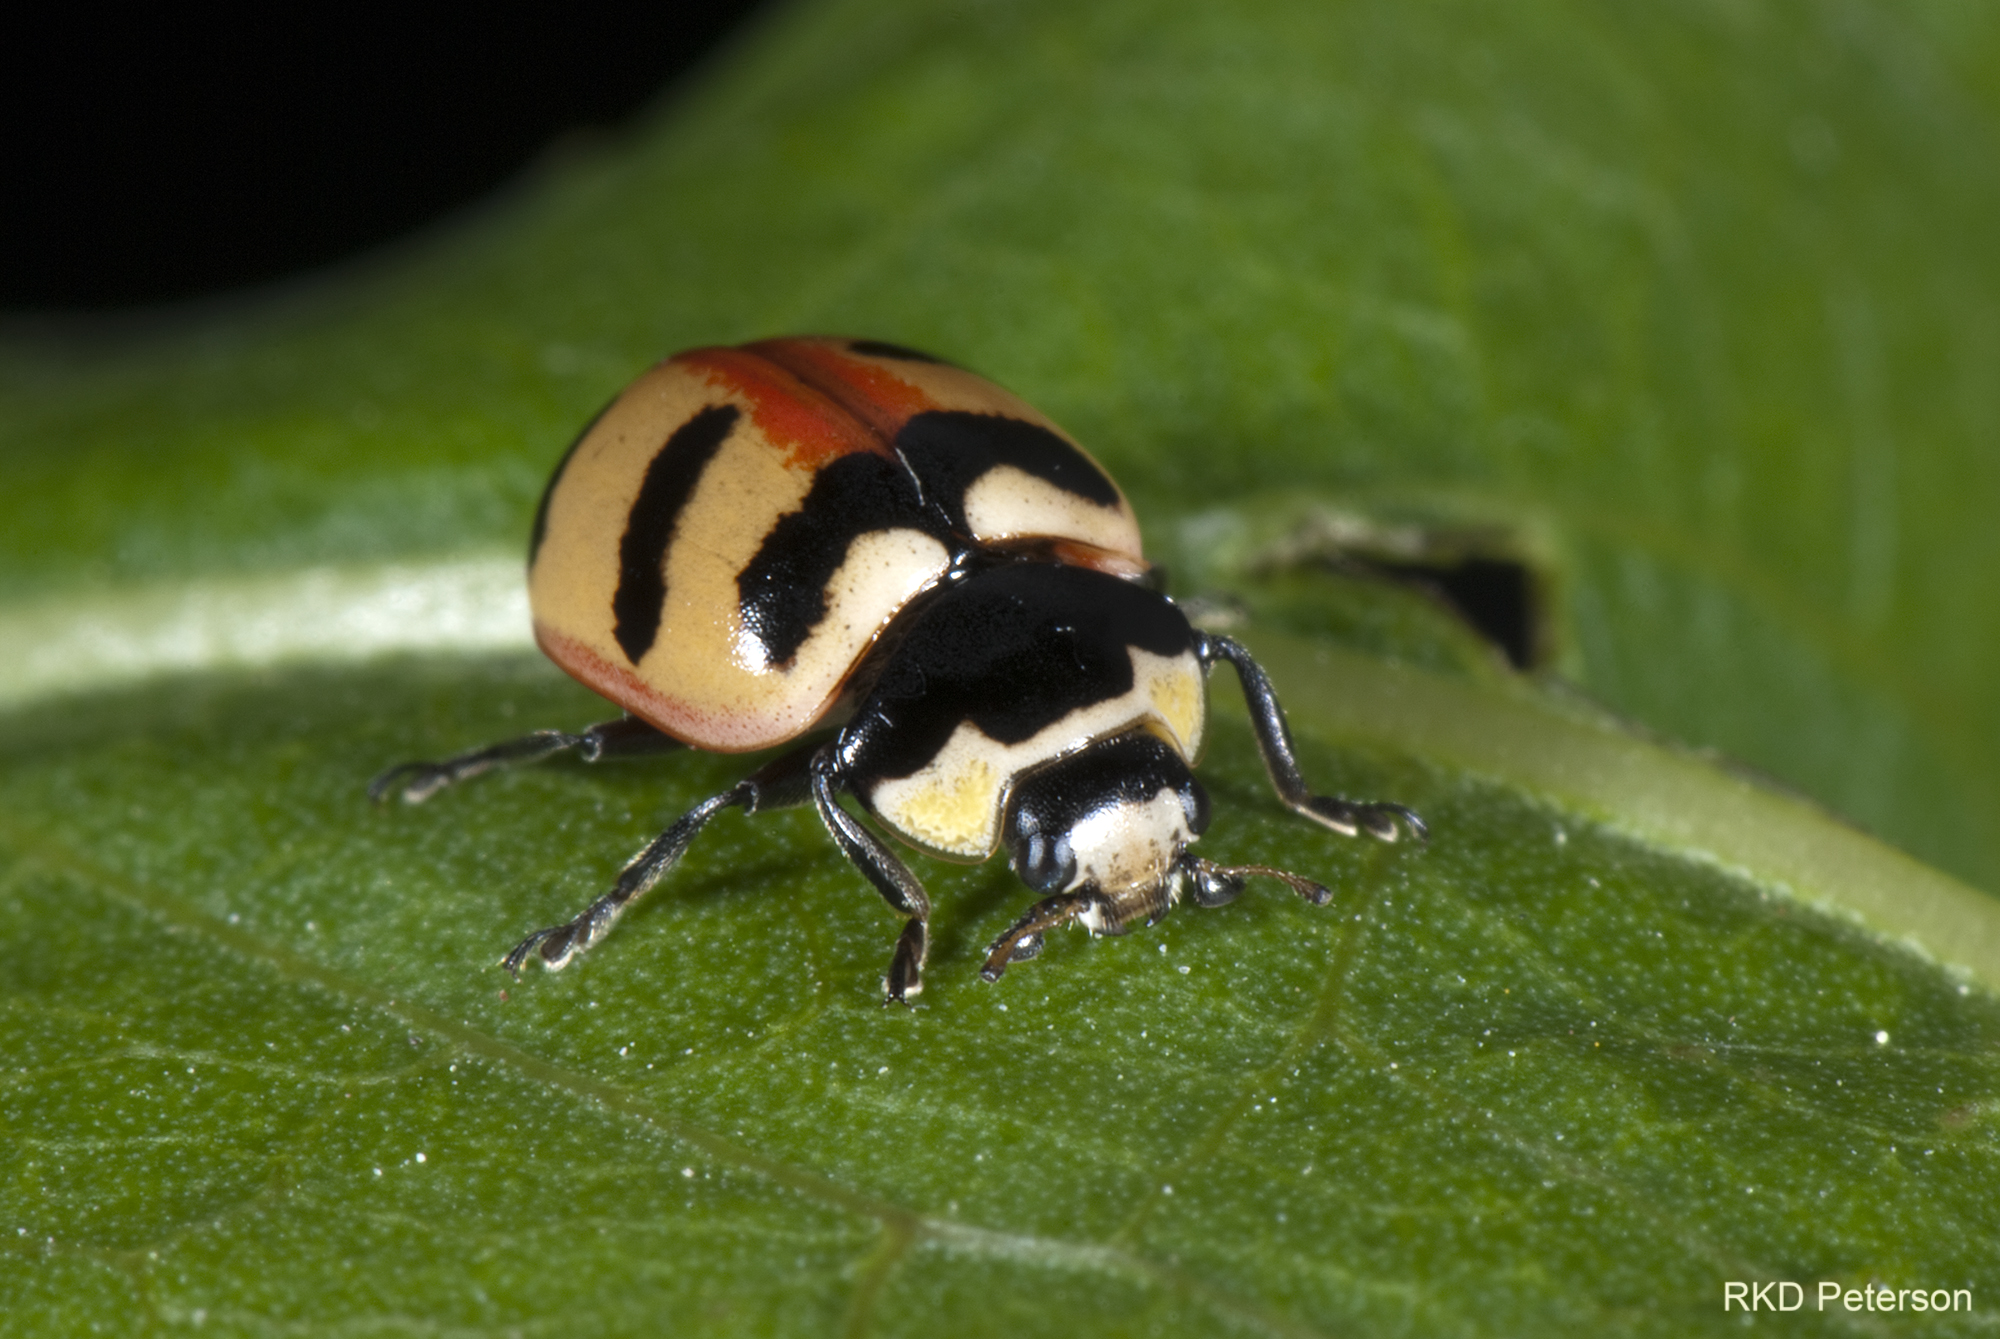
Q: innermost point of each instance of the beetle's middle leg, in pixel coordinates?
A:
(779, 784)
(1274, 742)
(891, 877)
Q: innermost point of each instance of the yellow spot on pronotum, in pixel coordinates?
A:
(1176, 696)
(953, 811)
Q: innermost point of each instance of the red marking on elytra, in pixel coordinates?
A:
(867, 390)
(811, 428)
(716, 731)
(1074, 553)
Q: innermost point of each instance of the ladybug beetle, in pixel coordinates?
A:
(855, 545)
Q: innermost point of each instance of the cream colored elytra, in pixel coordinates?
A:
(705, 677)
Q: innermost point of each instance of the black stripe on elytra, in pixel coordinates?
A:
(876, 348)
(1012, 649)
(949, 449)
(670, 480)
(783, 589)
(541, 526)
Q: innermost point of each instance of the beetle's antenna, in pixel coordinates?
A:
(1216, 884)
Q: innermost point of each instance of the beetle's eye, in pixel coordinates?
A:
(1046, 864)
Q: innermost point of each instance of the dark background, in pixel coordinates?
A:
(149, 155)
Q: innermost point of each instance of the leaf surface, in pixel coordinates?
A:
(264, 1073)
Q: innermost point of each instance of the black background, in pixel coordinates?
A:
(153, 154)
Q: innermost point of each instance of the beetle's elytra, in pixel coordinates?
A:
(751, 543)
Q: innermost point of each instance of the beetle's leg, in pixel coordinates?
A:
(625, 737)
(891, 877)
(1274, 741)
(1023, 939)
(779, 784)
(557, 944)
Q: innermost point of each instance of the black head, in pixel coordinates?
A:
(1113, 818)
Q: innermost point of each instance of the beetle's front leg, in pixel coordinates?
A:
(1274, 742)
(891, 877)
(1023, 939)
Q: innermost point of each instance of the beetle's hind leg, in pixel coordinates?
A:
(891, 877)
(1274, 742)
(415, 782)
(778, 785)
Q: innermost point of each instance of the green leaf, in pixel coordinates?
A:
(1689, 311)
(1540, 1075)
